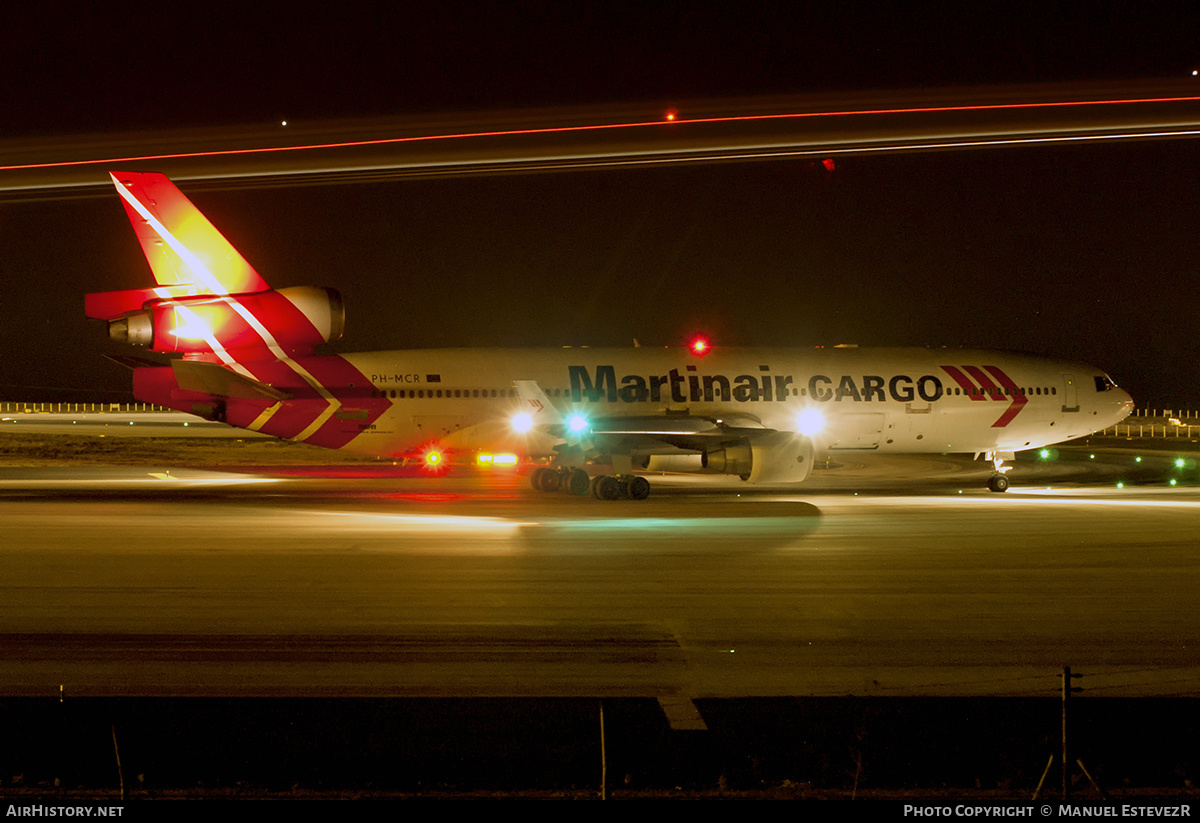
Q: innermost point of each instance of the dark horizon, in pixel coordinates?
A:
(1081, 252)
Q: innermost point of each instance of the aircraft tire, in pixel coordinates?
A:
(998, 483)
(579, 483)
(637, 488)
(535, 479)
(606, 488)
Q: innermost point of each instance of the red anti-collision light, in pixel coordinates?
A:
(700, 346)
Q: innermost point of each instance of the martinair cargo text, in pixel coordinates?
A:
(248, 358)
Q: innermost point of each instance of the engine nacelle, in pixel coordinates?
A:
(781, 457)
(673, 463)
(294, 319)
(737, 460)
(774, 457)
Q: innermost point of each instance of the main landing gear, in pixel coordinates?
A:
(562, 479)
(577, 482)
(607, 487)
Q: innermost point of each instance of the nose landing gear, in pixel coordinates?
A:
(998, 482)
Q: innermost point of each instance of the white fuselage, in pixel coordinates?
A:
(893, 400)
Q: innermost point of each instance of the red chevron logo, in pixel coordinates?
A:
(982, 387)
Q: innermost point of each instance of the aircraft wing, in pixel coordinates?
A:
(690, 433)
(679, 431)
(181, 246)
(737, 442)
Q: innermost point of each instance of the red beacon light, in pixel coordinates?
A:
(433, 460)
(700, 346)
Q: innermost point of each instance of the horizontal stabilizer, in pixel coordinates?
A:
(218, 381)
(131, 362)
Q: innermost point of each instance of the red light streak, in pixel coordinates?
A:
(595, 128)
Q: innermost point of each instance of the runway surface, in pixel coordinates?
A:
(897, 576)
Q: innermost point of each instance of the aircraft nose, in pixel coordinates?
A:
(1124, 405)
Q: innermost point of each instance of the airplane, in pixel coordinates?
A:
(248, 357)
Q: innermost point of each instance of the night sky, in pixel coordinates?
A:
(1088, 252)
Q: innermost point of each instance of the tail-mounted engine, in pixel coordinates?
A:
(287, 321)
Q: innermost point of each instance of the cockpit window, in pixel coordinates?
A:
(1103, 383)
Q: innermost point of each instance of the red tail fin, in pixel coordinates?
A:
(210, 303)
(182, 247)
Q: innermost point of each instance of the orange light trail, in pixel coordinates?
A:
(599, 127)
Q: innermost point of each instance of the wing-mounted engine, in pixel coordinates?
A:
(735, 459)
(781, 457)
(771, 457)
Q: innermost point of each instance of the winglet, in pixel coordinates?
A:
(181, 246)
(536, 404)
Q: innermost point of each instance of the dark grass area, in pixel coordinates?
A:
(774, 747)
(35, 449)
